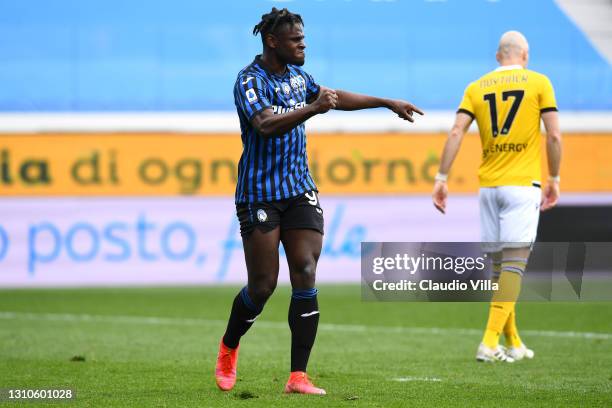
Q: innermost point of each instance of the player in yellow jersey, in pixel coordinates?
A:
(507, 104)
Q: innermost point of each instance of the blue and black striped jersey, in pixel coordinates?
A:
(272, 168)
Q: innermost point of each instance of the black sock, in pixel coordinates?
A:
(242, 317)
(303, 321)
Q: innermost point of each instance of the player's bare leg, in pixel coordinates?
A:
(303, 247)
(261, 256)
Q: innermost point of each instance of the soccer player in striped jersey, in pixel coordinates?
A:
(507, 104)
(276, 197)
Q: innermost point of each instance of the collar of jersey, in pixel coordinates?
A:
(263, 66)
(508, 67)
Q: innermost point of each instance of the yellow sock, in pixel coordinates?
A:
(516, 265)
(511, 332)
(498, 314)
(502, 305)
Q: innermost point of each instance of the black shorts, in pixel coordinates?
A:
(300, 212)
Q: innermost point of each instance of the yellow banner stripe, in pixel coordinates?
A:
(168, 164)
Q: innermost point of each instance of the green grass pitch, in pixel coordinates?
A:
(156, 347)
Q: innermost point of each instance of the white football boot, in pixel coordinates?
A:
(488, 354)
(519, 353)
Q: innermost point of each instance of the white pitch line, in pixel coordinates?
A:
(409, 379)
(177, 321)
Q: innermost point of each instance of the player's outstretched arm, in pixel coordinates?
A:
(551, 192)
(268, 124)
(451, 148)
(349, 101)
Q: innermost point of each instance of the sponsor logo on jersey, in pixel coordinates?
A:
(312, 198)
(283, 109)
(505, 148)
(246, 81)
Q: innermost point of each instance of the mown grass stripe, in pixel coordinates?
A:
(155, 320)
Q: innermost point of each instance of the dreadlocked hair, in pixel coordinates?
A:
(269, 22)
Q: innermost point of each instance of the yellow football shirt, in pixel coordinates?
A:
(507, 104)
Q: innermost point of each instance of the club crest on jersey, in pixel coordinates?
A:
(251, 95)
(261, 215)
(286, 89)
(294, 83)
(297, 83)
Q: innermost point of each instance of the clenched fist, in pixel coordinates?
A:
(326, 100)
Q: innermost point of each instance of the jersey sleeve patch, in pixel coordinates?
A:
(250, 95)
